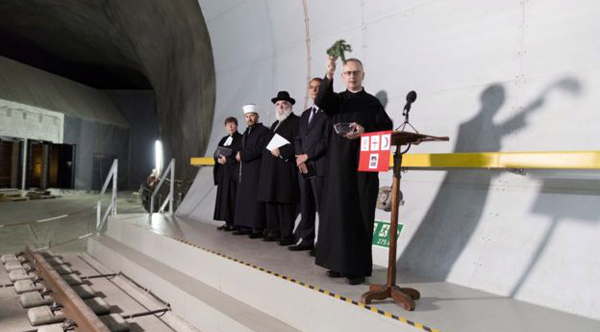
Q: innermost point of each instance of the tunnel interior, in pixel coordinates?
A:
(148, 60)
(110, 77)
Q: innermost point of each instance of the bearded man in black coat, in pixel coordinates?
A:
(349, 196)
(278, 175)
(226, 174)
(249, 211)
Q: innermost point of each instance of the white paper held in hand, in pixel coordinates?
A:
(276, 142)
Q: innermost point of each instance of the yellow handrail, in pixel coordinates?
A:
(488, 160)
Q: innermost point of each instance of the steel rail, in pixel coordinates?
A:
(73, 306)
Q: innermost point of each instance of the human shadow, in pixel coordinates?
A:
(382, 96)
(458, 206)
(561, 200)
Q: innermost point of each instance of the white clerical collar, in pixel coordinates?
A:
(357, 91)
(228, 141)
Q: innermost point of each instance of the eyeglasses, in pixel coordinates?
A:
(350, 72)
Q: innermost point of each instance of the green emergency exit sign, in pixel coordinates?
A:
(381, 233)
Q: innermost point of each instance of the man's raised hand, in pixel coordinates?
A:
(330, 67)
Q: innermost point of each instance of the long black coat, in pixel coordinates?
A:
(226, 178)
(249, 212)
(313, 138)
(349, 196)
(279, 175)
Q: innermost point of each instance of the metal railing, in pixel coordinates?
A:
(573, 160)
(169, 171)
(112, 208)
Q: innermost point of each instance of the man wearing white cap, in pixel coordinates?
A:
(249, 212)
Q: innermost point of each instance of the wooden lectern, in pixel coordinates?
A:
(403, 296)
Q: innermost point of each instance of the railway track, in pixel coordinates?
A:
(50, 293)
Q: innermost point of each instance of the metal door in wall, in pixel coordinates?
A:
(62, 166)
(37, 164)
(10, 162)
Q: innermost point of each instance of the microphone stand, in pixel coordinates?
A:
(404, 296)
(406, 122)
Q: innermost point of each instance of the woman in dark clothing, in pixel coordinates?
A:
(225, 174)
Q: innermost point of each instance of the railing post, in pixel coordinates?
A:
(114, 187)
(171, 169)
(172, 188)
(112, 209)
(98, 214)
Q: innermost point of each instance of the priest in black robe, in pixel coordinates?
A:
(349, 196)
(249, 211)
(279, 175)
(226, 174)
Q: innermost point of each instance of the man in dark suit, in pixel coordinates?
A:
(278, 174)
(311, 148)
(249, 211)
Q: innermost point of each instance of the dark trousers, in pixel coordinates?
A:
(310, 202)
(280, 219)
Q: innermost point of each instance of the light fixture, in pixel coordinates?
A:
(158, 156)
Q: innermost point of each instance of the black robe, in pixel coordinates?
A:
(279, 175)
(226, 178)
(349, 196)
(249, 212)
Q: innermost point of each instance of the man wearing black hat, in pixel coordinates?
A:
(278, 174)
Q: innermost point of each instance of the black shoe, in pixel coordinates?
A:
(271, 237)
(222, 227)
(302, 246)
(286, 241)
(334, 274)
(255, 235)
(312, 253)
(241, 232)
(355, 280)
(230, 228)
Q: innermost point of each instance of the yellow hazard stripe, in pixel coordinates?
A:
(488, 160)
(303, 284)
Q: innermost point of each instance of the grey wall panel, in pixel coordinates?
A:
(494, 76)
(97, 144)
(560, 37)
(139, 108)
(27, 85)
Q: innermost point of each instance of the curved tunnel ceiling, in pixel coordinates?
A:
(125, 45)
(79, 40)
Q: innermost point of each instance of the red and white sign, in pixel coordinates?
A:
(375, 151)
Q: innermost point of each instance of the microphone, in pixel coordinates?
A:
(410, 98)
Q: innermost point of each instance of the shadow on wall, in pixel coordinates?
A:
(562, 199)
(457, 208)
(382, 96)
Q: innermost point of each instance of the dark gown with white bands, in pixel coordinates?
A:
(226, 179)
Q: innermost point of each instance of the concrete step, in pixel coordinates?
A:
(218, 293)
(205, 307)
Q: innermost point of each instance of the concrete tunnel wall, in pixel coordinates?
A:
(125, 45)
(65, 112)
(494, 76)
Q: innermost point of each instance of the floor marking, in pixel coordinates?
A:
(320, 290)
